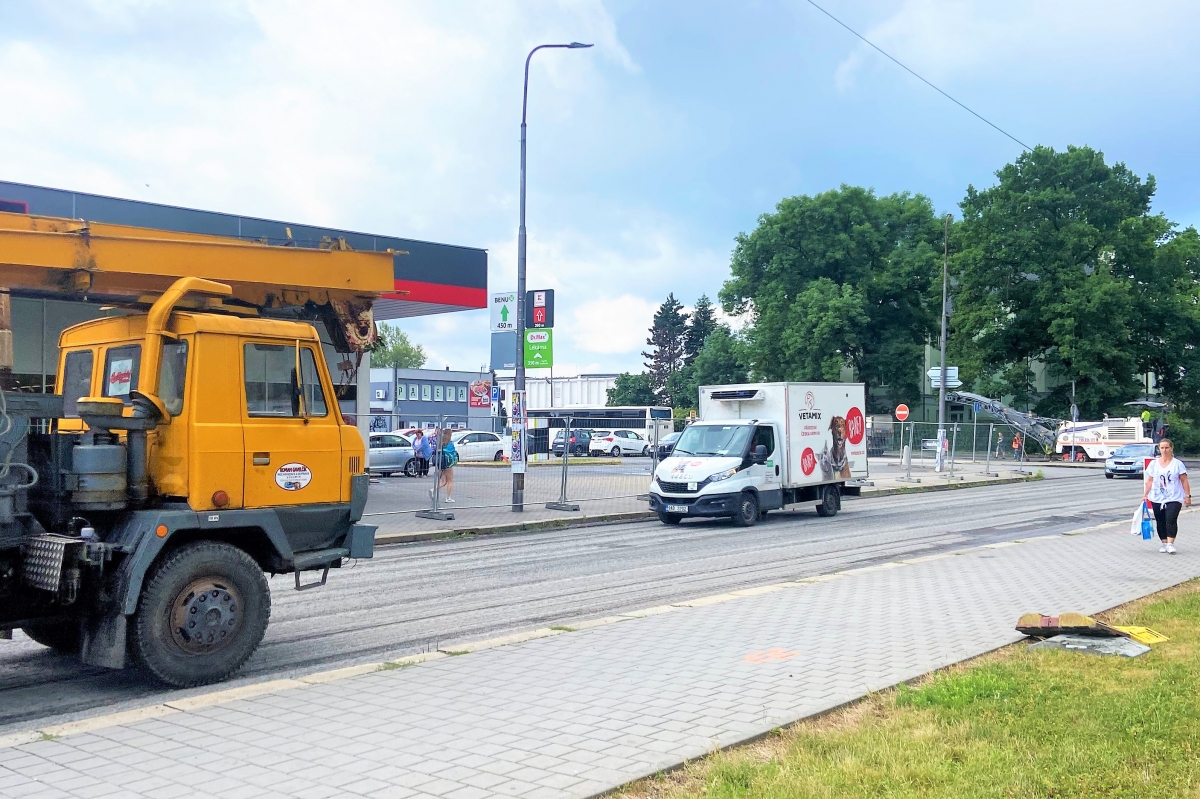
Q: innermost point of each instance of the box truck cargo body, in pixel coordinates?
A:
(763, 446)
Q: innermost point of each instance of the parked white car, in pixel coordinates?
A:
(391, 453)
(618, 443)
(479, 445)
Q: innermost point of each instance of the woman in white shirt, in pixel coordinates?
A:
(1168, 490)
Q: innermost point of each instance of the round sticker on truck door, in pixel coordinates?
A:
(292, 476)
(855, 426)
(808, 461)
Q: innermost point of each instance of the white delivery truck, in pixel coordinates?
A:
(763, 446)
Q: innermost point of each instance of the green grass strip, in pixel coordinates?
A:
(1011, 724)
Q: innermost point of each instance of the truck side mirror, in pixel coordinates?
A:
(760, 454)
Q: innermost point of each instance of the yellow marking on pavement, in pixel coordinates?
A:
(229, 695)
(321, 677)
(654, 611)
(18, 738)
(504, 640)
(111, 720)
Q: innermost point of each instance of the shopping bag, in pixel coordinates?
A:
(1135, 526)
(1147, 522)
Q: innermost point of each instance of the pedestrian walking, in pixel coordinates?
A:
(422, 451)
(447, 457)
(1167, 490)
(999, 445)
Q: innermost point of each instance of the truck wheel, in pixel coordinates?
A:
(831, 502)
(202, 613)
(61, 636)
(669, 518)
(747, 514)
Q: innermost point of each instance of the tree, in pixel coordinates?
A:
(668, 338)
(1062, 263)
(843, 278)
(631, 389)
(701, 324)
(721, 361)
(393, 349)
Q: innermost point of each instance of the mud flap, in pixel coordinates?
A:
(103, 642)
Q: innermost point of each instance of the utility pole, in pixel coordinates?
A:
(518, 477)
(941, 438)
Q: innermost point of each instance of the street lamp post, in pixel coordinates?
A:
(941, 436)
(518, 486)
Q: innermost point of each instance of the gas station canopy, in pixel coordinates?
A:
(57, 243)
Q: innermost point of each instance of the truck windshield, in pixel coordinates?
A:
(727, 440)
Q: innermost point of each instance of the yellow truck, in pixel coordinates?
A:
(192, 448)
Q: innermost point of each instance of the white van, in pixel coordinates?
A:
(764, 446)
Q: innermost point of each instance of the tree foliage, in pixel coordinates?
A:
(1062, 262)
(631, 389)
(393, 349)
(668, 342)
(840, 279)
(701, 323)
(721, 361)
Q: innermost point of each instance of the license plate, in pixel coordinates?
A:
(1124, 468)
(677, 509)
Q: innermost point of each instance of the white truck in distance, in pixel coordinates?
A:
(763, 446)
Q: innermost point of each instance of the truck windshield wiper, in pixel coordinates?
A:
(677, 451)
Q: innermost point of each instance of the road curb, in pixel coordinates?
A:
(628, 516)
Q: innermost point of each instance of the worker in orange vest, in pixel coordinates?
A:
(1016, 446)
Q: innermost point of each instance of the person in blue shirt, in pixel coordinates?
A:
(423, 452)
(447, 457)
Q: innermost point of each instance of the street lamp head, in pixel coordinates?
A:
(577, 45)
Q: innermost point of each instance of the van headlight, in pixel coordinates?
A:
(725, 475)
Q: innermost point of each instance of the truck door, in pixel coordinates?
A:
(766, 475)
(291, 436)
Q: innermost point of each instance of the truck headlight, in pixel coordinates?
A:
(725, 475)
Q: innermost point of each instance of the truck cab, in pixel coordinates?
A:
(188, 454)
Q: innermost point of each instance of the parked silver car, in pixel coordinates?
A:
(1129, 460)
(391, 453)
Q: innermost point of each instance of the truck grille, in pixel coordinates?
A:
(677, 488)
(43, 562)
(355, 464)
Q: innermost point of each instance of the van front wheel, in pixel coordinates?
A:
(747, 514)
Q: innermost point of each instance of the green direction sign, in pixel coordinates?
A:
(539, 348)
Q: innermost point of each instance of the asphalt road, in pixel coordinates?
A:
(413, 597)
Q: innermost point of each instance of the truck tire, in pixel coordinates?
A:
(63, 637)
(747, 515)
(669, 518)
(202, 612)
(831, 502)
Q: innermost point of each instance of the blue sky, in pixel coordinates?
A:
(648, 153)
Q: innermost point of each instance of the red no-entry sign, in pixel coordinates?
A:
(901, 412)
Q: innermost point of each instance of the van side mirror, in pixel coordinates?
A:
(760, 454)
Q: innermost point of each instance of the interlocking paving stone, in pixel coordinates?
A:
(577, 714)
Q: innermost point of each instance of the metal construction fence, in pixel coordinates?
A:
(421, 479)
(969, 441)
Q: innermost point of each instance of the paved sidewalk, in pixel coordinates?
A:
(582, 712)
